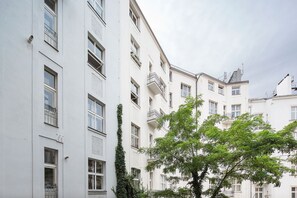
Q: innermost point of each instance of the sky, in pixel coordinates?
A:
(220, 36)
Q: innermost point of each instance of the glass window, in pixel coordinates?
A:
(50, 98)
(95, 115)
(97, 6)
(136, 174)
(293, 192)
(258, 192)
(95, 55)
(210, 86)
(163, 182)
(50, 172)
(221, 90)
(134, 136)
(236, 90)
(213, 107)
(133, 16)
(134, 47)
(185, 90)
(96, 174)
(134, 92)
(235, 111)
(50, 22)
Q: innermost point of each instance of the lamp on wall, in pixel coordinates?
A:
(30, 39)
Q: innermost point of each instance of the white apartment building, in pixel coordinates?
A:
(64, 68)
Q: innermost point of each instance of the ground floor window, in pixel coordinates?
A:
(96, 174)
(258, 192)
(50, 173)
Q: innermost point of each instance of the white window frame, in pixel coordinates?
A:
(134, 16)
(293, 191)
(135, 48)
(162, 65)
(135, 133)
(258, 192)
(96, 53)
(170, 76)
(210, 85)
(221, 90)
(213, 107)
(92, 113)
(51, 112)
(235, 110)
(235, 90)
(293, 112)
(98, 6)
(163, 182)
(51, 191)
(236, 185)
(151, 180)
(136, 174)
(96, 174)
(50, 33)
(134, 92)
(170, 100)
(185, 90)
(163, 87)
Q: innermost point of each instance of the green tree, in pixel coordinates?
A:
(245, 151)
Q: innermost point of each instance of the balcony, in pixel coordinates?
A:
(154, 83)
(152, 118)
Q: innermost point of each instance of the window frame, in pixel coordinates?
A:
(93, 4)
(210, 85)
(234, 111)
(212, 107)
(54, 167)
(294, 191)
(51, 33)
(163, 182)
(221, 90)
(134, 15)
(185, 90)
(51, 114)
(162, 65)
(170, 100)
(135, 136)
(236, 90)
(94, 114)
(136, 176)
(100, 67)
(258, 192)
(135, 93)
(97, 174)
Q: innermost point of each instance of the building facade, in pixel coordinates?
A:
(64, 68)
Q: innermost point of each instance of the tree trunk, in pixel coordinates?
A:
(196, 185)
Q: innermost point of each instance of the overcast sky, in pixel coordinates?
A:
(218, 36)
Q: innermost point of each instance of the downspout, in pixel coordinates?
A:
(196, 92)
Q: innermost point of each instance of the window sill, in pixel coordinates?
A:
(96, 131)
(97, 15)
(135, 148)
(97, 72)
(51, 125)
(135, 26)
(97, 192)
(136, 105)
(56, 49)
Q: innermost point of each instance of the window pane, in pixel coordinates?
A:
(49, 177)
(91, 181)
(99, 182)
(49, 79)
(51, 4)
(99, 124)
(99, 167)
(91, 45)
(49, 100)
(99, 110)
(49, 20)
(98, 52)
(90, 104)
(49, 156)
(91, 166)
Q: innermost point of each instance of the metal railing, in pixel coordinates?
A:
(50, 36)
(50, 115)
(51, 192)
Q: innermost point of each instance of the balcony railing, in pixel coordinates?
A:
(152, 118)
(50, 115)
(51, 192)
(154, 83)
(50, 36)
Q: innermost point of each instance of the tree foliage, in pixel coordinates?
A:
(248, 150)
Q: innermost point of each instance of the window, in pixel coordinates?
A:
(163, 87)
(294, 169)
(134, 17)
(150, 67)
(50, 172)
(210, 86)
(96, 170)
(135, 136)
(136, 177)
(151, 181)
(50, 98)
(135, 51)
(236, 186)
(258, 192)
(95, 55)
(221, 90)
(97, 5)
(213, 107)
(95, 114)
(236, 90)
(134, 92)
(170, 76)
(294, 192)
(185, 90)
(170, 99)
(162, 64)
(294, 113)
(50, 23)
(236, 111)
(224, 110)
(163, 182)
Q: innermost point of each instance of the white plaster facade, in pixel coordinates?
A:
(135, 73)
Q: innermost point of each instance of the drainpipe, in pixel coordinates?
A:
(196, 92)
